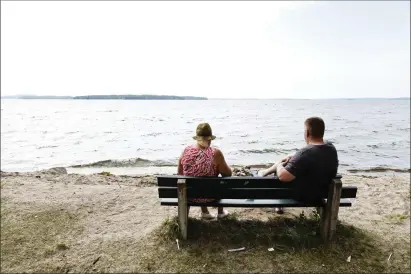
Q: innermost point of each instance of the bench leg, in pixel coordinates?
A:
(320, 211)
(323, 229)
(329, 216)
(182, 207)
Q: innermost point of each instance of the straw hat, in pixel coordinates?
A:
(204, 132)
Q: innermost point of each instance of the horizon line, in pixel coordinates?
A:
(339, 98)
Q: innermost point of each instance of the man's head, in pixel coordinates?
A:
(314, 129)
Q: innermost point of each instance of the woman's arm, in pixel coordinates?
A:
(180, 166)
(222, 166)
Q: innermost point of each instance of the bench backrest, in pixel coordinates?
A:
(235, 188)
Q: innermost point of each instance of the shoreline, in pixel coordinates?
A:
(172, 170)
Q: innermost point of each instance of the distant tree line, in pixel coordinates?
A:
(108, 97)
(138, 97)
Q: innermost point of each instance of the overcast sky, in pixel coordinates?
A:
(215, 49)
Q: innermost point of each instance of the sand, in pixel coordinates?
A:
(127, 208)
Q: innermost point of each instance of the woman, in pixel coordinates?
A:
(201, 159)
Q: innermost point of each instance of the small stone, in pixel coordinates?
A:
(57, 171)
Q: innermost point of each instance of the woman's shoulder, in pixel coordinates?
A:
(217, 152)
(216, 149)
(189, 148)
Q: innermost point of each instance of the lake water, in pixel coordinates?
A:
(369, 134)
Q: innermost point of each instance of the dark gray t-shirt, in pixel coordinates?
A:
(314, 166)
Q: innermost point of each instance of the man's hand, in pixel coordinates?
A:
(286, 159)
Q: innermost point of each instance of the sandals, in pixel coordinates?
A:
(222, 215)
(207, 216)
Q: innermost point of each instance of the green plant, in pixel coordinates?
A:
(105, 173)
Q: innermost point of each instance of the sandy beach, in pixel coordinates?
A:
(103, 210)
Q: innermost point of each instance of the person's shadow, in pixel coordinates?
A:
(293, 233)
(280, 238)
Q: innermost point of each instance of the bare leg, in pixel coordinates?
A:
(273, 168)
(268, 171)
(205, 214)
(204, 210)
(222, 213)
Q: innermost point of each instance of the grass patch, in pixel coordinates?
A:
(105, 173)
(62, 246)
(297, 244)
(32, 242)
(396, 218)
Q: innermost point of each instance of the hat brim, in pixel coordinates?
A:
(207, 138)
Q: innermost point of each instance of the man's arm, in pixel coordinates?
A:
(283, 174)
(295, 167)
(222, 166)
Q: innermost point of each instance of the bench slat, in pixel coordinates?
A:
(229, 193)
(246, 182)
(253, 203)
(251, 182)
(243, 193)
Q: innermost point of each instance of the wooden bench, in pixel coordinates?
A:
(254, 192)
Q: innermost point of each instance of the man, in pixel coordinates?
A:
(315, 165)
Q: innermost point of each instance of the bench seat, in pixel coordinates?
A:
(253, 203)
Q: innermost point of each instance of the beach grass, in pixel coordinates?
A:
(296, 244)
(396, 218)
(29, 241)
(40, 242)
(105, 173)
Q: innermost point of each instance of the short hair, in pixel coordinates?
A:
(315, 127)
